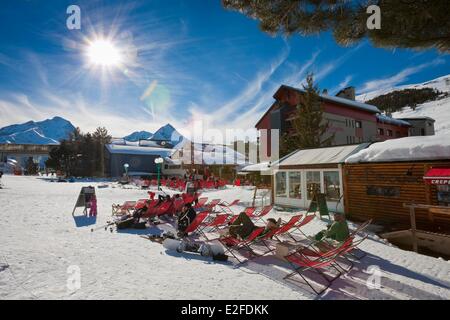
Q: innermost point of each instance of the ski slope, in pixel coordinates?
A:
(438, 110)
(40, 241)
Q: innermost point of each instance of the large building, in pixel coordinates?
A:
(23, 152)
(350, 121)
(421, 126)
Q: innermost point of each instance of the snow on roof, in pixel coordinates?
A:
(417, 118)
(137, 150)
(263, 166)
(348, 102)
(405, 149)
(385, 119)
(331, 155)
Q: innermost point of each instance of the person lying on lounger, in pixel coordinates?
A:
(243, 226)
(337, 231)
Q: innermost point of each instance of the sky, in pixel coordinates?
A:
(181, 62)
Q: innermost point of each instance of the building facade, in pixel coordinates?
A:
(420, 126)
(350, 121)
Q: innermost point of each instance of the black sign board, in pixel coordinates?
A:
(84, 199)
(319, 203)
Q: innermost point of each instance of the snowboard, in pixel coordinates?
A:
(204, 249)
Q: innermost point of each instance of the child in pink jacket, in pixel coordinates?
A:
(93, 206)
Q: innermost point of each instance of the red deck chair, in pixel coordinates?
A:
(196, 223)
(226, 207)
(250, 211)
(201, 202)
(300, 264)
(212, 204)
(125, 208)
(178, 205)
(263, 212)
(302, 223)
(163, 208)
(153, 208)
(233, 245)
(283, 229)
(212, 226)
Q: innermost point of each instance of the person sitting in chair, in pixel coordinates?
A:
(337, 231)
(185, 218)
(243, 226)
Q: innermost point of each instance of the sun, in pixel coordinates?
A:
(104, 53)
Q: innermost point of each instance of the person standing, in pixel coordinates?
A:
(93, 206)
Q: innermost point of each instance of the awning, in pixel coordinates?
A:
(438, 176)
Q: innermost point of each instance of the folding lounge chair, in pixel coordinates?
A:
(196, 223)
(354, 245)
(211, 205)
(302, 223)
(301, 263)
(201, 203)
(281, 230)
(249, 211)
(226, 207)
(233, 245)
(163, 208)
(125, 208)
(214, 225)
(262, 213)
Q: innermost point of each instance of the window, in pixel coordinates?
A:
(422, 131)
(358, 124)
(295, 185)
(389, 133)
(280, 179)
(380, 132)
(332, 185)
(312, 183)
(383, 191)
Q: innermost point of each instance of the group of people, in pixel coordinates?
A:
(243, 226)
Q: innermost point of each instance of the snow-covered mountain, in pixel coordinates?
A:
(138, 135)
(441, 84)
(438, 109)
(168, 132)
(50, 131)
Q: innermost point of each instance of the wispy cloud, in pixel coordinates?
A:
(398, 78)
(343, 84)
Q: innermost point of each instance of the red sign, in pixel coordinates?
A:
(438, 176)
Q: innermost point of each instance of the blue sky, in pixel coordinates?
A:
(185, 61)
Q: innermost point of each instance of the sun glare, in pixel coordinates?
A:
(104, 53)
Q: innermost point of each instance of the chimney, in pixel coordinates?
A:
(347, 93)
(325, 92)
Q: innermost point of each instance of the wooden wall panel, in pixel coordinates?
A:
(388, 210)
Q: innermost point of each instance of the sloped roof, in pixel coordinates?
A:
(422, 148)
(137, 150)
(339, 100)
(331, 155)
(399, 122)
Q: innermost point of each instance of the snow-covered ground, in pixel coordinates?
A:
(40, 240)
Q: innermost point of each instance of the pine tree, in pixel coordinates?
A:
(309, 128)
(101, 137)
(418, 24)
